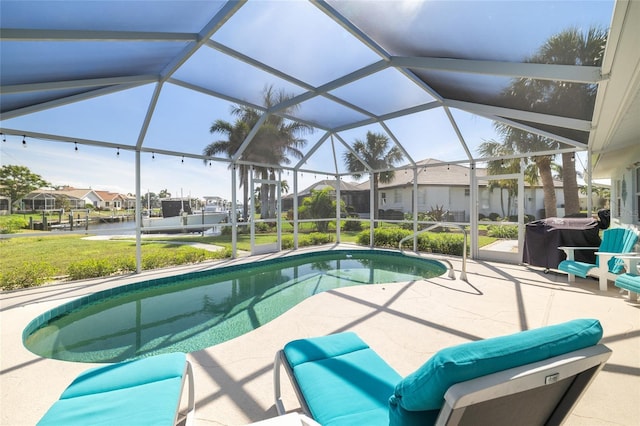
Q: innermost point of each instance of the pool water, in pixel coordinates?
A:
(194, 311)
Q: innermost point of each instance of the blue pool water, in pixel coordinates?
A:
(194, 311)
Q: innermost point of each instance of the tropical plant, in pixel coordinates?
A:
(569, 47)
(572, 47)
(505, 165)
(375, 156)
(275, 142)
(320, 205)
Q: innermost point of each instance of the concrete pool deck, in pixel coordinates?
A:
(404, 322)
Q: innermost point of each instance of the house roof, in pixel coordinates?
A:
(109, 196)
(76, 192)
(348, 64)
(328, 183)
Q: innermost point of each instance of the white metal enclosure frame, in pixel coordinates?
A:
(118, 47)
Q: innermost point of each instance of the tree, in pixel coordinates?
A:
(495, 149)
(235, 134)
(164, 193)
(569, 47)
(517, 140)
(320, 205)
(379, 155)
(18, 181)
(151, 200)
(275, 142)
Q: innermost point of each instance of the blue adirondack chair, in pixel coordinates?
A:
(607, 266)
(630, 281)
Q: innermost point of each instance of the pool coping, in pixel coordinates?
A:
(46, 317)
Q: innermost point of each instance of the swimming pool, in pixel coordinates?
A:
(193, 311)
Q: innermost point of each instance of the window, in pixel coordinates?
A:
(383, 198)
(617, 204)
(397, 196)
(422, 197)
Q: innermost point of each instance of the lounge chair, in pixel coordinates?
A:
(608, 265)
(145, 391)
(531, 377)
(630, 281)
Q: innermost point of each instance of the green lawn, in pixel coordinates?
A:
(29, 261)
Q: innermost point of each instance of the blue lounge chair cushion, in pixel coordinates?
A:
(629, 282)
(343, 380)
(145, 391)
(126, 375)
(579, 269)
(425, 388)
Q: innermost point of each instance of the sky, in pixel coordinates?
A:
(182, 117)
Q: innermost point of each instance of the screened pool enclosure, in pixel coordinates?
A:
(288, 87)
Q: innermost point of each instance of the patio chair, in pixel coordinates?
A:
(608, 265)
(630, 281)
(531, 377)
(145, 391)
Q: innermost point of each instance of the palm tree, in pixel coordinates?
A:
(275, 143)
(235, 135)
(377, 153)
(569, 47)
(516, 140)
(495, 149)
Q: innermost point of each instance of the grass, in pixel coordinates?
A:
(29, 261)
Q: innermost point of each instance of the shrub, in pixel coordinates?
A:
(494, 216)
(352, 225)
(12, 224)
(318, 238)
(287, 242)
(502, 231)
(90, 268)
(444, 243)
(383, 237)
(450, 244)
(28, 274)
(305, 240)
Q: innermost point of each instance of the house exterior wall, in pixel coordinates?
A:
(456, 199)
(625, 195)
(92, 199)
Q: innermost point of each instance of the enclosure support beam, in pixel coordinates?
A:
(234, 215)
(138, 216)
(295, 209)
(415, 208)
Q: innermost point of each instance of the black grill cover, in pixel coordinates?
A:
(543, 237)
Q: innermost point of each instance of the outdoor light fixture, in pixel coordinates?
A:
(153, 155)
(118, 151)
(182, 161)
(76, 146)
(4, 137)
(24, 141)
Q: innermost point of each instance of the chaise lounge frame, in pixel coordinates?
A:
(544, 391)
